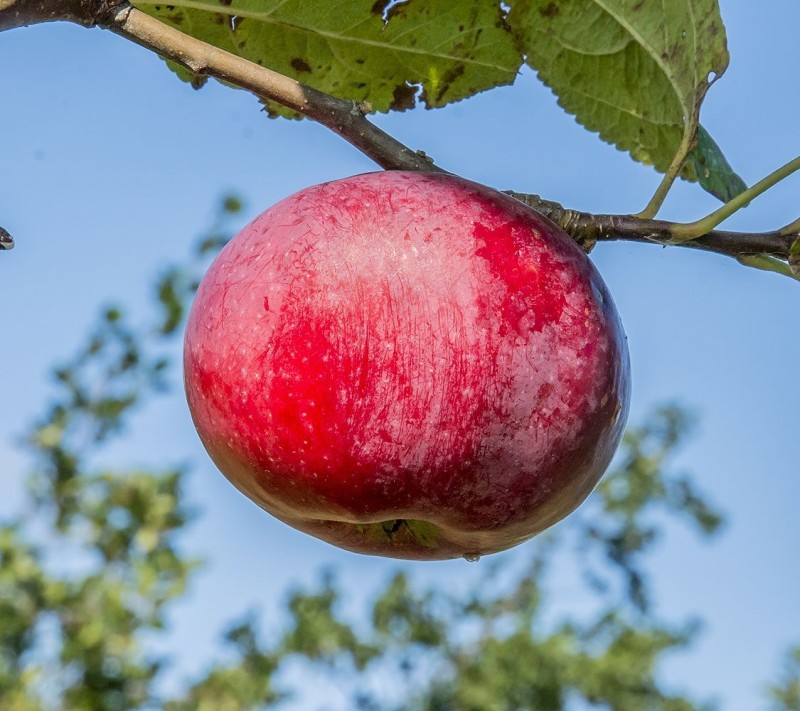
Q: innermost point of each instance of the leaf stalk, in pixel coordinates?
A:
(683, 232)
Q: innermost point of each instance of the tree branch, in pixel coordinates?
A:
(21, 13)
(588, 229)
(347, 119)
(6, 240)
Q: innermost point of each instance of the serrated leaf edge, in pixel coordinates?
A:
(253, 15)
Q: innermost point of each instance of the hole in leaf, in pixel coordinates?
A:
(386, 9)
(404, 96)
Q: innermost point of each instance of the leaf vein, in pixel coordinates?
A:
(332, 36)
(656, 56)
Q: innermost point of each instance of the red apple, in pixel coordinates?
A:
(408, 365)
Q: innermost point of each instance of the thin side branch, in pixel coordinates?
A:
(348, 120)
(687, 143)
(768, 264)
(692, 230)
(588, 229)
(345, 118)
(21, 13)
(6, 240)
(793, 228)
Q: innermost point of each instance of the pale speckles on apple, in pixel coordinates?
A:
(406, 347)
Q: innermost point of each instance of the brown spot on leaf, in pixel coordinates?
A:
(447, 79)
(300, 65)
(550, 10)
(379, 6)
(226, 3)
(398, 10)
(403, 97)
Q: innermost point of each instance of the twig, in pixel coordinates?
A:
(687, 143)
(692, 230)
(587, 229)
(767, 264)
(21, 13)
(6, 240)
(348, 120)
(345, 118)
(793, 228)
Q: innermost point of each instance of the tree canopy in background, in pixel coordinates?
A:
(88, 574)
(91, 568)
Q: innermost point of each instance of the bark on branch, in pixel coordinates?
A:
(348, 120)
(588, 229)
(6, 240)
(21, 13)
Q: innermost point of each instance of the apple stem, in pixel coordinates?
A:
(682, 232)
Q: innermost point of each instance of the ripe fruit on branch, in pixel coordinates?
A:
(408, 365)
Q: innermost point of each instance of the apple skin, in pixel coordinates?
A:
(409, 365)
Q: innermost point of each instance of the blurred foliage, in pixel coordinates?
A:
(88, 574)
(785, 694)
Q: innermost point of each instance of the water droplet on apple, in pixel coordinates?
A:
(472, 557)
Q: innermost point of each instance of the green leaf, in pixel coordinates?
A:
(634, 71)
(431, 51)
(713, 171)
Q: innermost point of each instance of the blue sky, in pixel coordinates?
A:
(110, 168)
